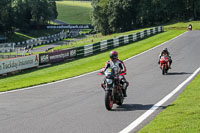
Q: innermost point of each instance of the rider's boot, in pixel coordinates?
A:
(170, 62)
(124, 87)
(124, 93)
(170, 66)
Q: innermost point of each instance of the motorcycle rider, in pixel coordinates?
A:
(120, 64)
(165, 51)
(190, 27)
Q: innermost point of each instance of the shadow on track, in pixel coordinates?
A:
(133, 107)
(178, 73)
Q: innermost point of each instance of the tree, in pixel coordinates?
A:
(53, 10)
(41, 16)
(192, 9)
(100, 16)
(6, 16)
(110, 16)
(24, 13)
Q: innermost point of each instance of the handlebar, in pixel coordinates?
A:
(122, 74)
(101, 73)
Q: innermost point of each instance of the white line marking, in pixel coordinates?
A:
(139, 120)
(28, 88)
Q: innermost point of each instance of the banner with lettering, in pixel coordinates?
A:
(20, 63)
(56, 56)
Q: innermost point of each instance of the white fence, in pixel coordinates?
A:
(9, 47)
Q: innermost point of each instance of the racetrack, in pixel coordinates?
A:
(77, 105)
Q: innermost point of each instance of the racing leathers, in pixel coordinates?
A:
(168, 54)
(122, 69)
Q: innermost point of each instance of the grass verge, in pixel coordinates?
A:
(94, 39)
(81, 66)
(182, 116)
(74, 12)
(19, 36)
(184, 25)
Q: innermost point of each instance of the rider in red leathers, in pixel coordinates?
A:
(165, 51)
(120, 64)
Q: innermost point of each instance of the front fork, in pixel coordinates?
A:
(103, 86)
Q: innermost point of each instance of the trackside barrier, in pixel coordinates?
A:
(10, 65)
(16, 64)
(9, 47)
(56, 56)
(116, 42)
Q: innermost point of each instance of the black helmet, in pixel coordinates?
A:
(165, 50)
(113, 55)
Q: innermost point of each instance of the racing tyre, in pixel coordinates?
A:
(108, 100)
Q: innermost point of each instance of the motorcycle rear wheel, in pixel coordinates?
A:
(120, 102)
(108, 100)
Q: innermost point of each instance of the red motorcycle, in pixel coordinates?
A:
(112, 88)
(164, 64)
(189, 29)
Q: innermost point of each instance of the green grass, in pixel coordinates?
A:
(17, 37)
(26, 36)
(74, 12)
(95, 38)
(81, 66)
(41, 33)
(99, 37)
(182, 116)
(20, 36)
(184, 25)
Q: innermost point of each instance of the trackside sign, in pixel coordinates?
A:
(15, 64)
(56, 56)
(63, 26)
(68, 26)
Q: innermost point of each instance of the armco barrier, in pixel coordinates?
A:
(21, 63)
(83, 51)
(115, 42)
(9, 47)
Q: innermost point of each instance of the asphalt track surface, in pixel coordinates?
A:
(77, 105)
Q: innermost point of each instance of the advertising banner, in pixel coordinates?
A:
(61, 55)
(56, 56)
(43, 58)
(20, 63)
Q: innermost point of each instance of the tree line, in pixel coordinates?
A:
(21, 14)
(111, 16)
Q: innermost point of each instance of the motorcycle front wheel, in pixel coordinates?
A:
(163, 70)
(108, 100)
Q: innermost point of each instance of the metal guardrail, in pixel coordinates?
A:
(115, 42)
(83, 51)
(10, 47)
(10, 65)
